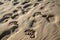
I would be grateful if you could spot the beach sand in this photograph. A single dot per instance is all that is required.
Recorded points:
(29, 19)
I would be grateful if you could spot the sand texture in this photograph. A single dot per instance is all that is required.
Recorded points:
(29, 19)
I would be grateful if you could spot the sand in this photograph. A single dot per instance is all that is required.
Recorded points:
(29, 19)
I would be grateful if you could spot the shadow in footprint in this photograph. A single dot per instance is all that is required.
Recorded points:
(5, 33)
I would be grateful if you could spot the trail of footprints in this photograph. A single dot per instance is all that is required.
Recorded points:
(11, 30)
(26, 6)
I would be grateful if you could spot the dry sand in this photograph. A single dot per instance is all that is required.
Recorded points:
(29, 19)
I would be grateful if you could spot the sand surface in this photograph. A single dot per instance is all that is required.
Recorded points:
(29, 19)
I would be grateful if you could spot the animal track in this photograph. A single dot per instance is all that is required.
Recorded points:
(13, 22)
(36, 14)
(15, 11)
(29, 16)
(7, 15)
(49, 17)
(1, 3)
(4, 19)
(15, 3)
(14, 16)
(27, 5)
(32, 22)
(30, 32)
(7, 32)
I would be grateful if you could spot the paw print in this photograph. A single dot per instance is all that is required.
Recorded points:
(30, 32)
